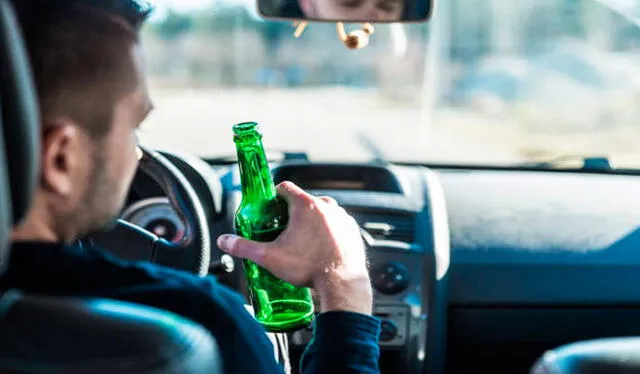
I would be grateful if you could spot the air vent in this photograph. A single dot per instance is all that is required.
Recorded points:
(382, 226)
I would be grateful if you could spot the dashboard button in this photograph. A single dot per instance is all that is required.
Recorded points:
(391, 278)
(388, 330)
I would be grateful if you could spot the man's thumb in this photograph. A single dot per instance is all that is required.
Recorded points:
(243, 248)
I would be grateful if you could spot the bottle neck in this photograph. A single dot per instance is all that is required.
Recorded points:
(255, 175)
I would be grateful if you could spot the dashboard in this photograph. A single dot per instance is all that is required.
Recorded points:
(472, 269)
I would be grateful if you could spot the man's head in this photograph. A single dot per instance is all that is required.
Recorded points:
(89, 78)
(353, 10)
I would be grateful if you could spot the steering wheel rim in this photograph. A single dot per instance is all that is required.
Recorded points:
(130, 242)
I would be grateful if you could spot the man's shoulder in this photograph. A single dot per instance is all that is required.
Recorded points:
(82, 272)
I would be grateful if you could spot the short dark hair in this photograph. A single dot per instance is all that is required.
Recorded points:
(80, 54)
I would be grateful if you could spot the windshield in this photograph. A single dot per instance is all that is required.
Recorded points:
(485, 82)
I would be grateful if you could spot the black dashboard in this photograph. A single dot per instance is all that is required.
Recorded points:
(539, 259)
(473, 270)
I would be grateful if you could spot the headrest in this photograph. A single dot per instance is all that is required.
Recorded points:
(20, 117)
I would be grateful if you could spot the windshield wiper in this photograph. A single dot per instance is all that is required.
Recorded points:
(588, 163)
(378, 155)
(272, 156)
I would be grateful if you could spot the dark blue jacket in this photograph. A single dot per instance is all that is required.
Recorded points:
(343, 342)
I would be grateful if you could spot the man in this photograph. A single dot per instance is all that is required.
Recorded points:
(353, 10)
(88, 70)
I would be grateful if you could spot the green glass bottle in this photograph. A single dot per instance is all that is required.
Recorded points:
(262, 216)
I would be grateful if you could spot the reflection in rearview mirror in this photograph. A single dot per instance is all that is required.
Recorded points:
(348, 10)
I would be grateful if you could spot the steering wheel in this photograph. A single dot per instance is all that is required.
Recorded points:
(130, 242)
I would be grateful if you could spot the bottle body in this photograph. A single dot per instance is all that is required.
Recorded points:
(262, 216)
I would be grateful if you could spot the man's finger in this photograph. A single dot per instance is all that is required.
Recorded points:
(243, 248)
(292, 193)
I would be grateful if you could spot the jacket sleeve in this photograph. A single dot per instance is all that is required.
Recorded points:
(343, 342)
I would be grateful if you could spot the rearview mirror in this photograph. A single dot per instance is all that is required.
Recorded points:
(348, 10)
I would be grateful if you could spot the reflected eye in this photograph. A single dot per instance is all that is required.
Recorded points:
(352, 3)
(389, 6)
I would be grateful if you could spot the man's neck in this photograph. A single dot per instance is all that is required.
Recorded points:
(33, 231)
(36, 226)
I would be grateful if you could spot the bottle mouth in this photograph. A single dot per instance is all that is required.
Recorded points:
(246, 131)
(244, 127)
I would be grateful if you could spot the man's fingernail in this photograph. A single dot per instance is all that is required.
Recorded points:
(226, 241)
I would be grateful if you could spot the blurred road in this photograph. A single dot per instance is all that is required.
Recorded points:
(357, 125)
(331, 125)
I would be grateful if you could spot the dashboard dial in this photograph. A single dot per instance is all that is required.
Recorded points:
(156, 215)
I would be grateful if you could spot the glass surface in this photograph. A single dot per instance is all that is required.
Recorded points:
(484, 82)
(278, 305)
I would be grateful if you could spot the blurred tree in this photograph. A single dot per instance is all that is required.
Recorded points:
(273, 32)
(173, 25)
(227, 19)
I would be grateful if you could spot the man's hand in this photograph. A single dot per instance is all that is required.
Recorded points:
(320, 248)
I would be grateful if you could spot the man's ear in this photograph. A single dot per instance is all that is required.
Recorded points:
(61, 156)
